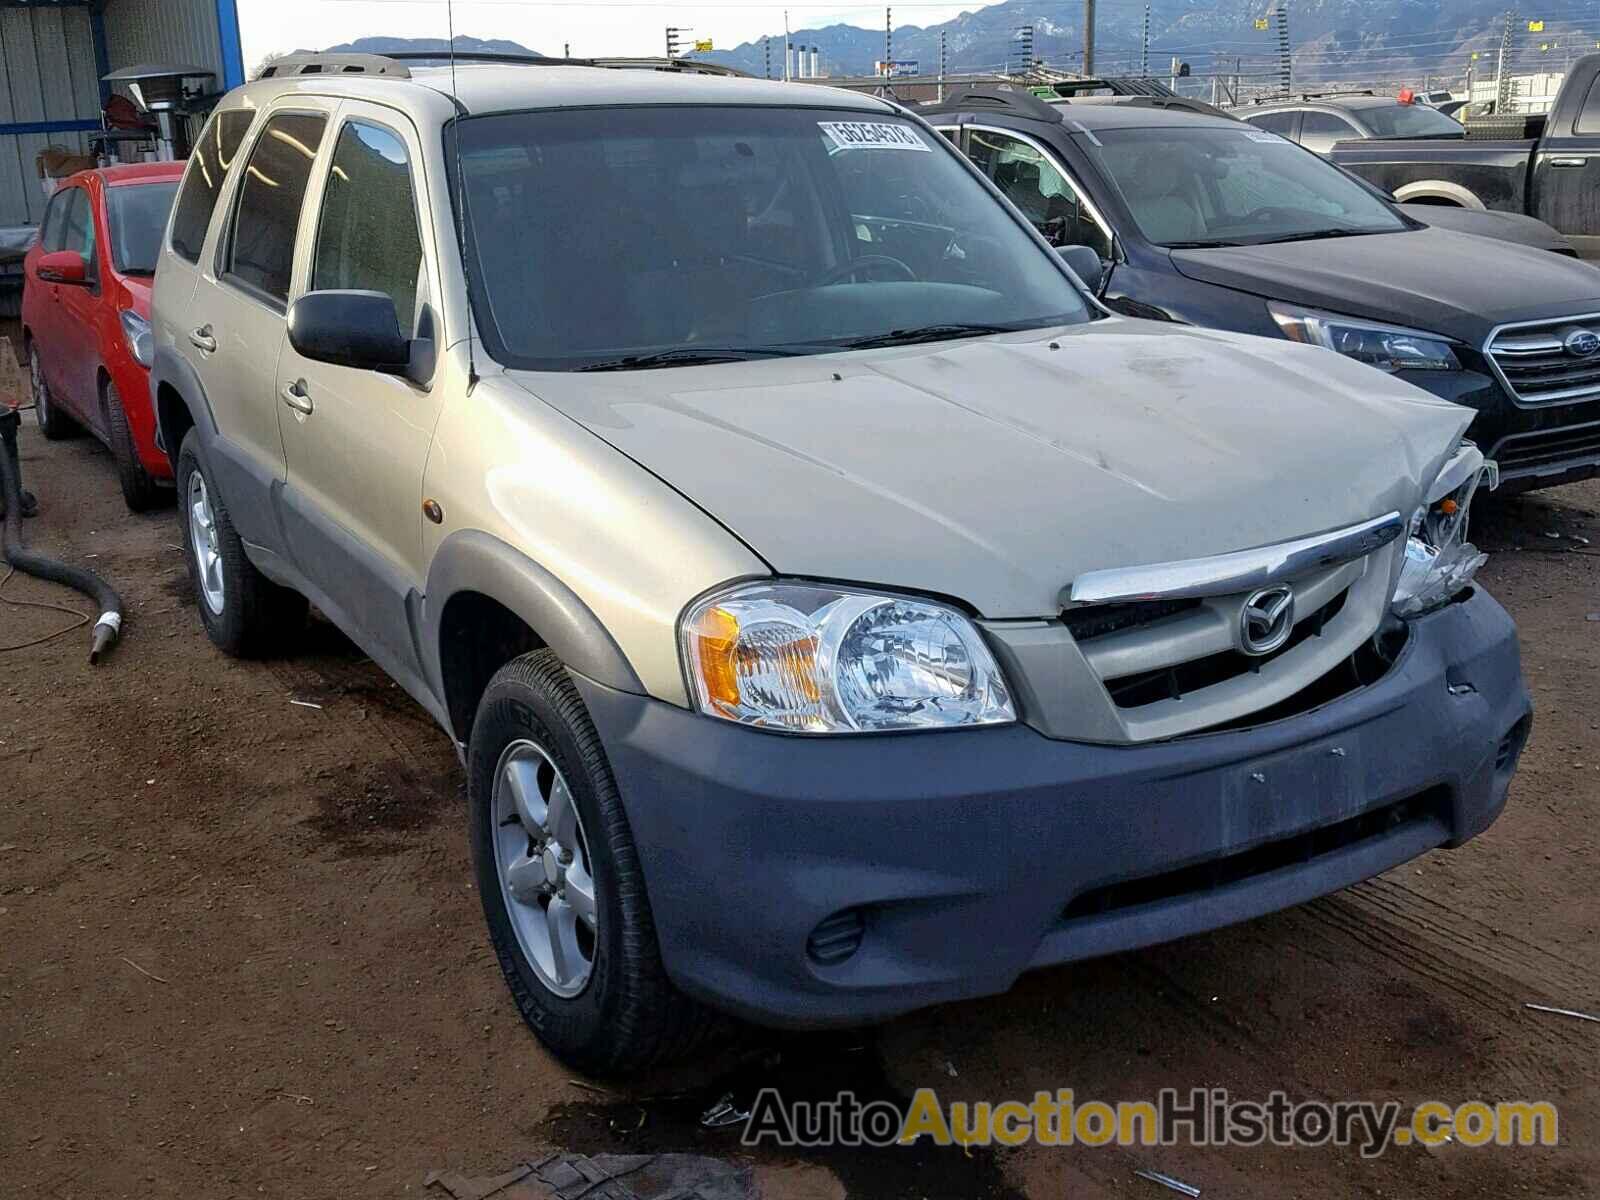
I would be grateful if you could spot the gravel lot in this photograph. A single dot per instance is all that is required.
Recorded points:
(240, 954)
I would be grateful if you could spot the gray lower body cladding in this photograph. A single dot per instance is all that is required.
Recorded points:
(823, 881)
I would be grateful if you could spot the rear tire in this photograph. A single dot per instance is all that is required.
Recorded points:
(53, 423)
(604, 1006)
(245, 614)
(139, 490)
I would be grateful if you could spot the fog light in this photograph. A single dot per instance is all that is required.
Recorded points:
(837, 937)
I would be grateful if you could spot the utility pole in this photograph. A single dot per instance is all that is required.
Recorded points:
(1088, 37)
(1023, 35)
(888, 51)
(766, 54)
(941, 66)
(1502, 81)
(1285, 66)
(1144, 47)
(674, 41)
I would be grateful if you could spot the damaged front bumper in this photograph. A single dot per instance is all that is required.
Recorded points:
(818, 881)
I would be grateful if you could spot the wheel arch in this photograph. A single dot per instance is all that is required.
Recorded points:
(1439, 191)
(180, 403)
(487, 603)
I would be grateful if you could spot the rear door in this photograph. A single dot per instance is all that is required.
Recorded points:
(41, 304)
(236, 325)
(1566, 175)
(357, 441)
(1285, 123)
(1320, 131)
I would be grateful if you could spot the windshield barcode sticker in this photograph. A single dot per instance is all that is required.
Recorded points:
(872, 135)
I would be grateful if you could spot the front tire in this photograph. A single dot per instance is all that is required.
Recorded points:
(140, 492)
(53, 423)
(560, 880)
(245, 614)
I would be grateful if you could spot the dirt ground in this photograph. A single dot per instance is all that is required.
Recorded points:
(240, 954)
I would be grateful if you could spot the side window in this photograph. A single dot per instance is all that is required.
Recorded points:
(1032, 182)
(260, 249)
(1589, 118)
(1281, 123)
(78, 229)
(209, 165)
(1321, 130)
(53, 231)
(367, 235)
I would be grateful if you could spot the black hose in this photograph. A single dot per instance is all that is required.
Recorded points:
(38, 565)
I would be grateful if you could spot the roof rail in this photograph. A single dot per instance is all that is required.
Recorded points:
(1311, 96)
(1001, 95)
(1174, 103)
(688, 66)
(1118, 85)
(335, 64)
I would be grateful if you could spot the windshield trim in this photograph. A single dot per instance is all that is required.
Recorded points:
(115, 242)
(483, 327)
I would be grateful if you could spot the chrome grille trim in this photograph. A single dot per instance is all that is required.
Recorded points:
(1530, 361)
(1239, 571)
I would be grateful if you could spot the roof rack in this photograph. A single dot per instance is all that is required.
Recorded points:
(1000, 95)
(336, 64)
(1173, 103)
(1121, 85)
(1311, 96)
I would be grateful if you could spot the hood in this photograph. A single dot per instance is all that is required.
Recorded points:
(1432, 279)
(996, 470)
(1518, 228)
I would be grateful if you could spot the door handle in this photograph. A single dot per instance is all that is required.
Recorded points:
(294, 395)
(201, 339)
(1570, 161)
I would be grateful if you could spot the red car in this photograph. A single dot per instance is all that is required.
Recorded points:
(86, 316)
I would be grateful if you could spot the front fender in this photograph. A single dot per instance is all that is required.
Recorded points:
(473, 561)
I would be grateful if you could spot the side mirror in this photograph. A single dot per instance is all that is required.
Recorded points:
(63, 266)
(1086, 264)
(349, 329)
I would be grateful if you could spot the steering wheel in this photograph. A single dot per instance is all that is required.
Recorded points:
(1267, 213)
(867, 262)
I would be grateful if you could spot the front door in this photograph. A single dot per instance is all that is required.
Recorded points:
(357, 441)
(1566, 176)
(75, 349)
(237, 321)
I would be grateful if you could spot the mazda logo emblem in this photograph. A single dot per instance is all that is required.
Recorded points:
(1267, 620)
(1581, 343)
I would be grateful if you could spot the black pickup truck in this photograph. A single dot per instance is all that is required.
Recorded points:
(1552, 172)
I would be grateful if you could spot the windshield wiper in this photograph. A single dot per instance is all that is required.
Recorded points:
(688, 357)
(1209, 244)
(925, 333)
(1311, 235)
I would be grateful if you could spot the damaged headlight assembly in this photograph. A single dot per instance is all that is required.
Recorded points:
(1388, 347)
(811, 658)
(1439, 561)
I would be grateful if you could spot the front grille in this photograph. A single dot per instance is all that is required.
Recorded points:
(1298, 850)
(1535, 366)
(1174, 682)
(1547, 450)
(1098, 620)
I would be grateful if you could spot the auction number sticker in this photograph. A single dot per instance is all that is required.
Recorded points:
(872, 135)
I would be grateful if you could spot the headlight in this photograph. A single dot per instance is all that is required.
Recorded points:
(1387, 347)
(137, 330)
(806, 658)
(1439, 561)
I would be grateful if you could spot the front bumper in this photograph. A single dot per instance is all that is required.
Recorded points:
(961, 852)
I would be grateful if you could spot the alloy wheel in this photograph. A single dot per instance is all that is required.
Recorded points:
(546, 874)
(203, 539)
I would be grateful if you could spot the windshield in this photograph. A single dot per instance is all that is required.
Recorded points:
(138, 216)
(1410, 121)
(600, 236)
(1215, 186)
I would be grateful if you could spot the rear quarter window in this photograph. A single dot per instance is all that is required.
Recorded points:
(209, 167)
(1589, 116)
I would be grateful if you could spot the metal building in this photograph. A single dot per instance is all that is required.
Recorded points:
(53, 54)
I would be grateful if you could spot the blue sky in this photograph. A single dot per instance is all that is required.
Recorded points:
(593, 27)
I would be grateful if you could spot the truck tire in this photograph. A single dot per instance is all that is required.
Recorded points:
(245, 614)
(53, 423)
(560, 881)
(140, 492)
